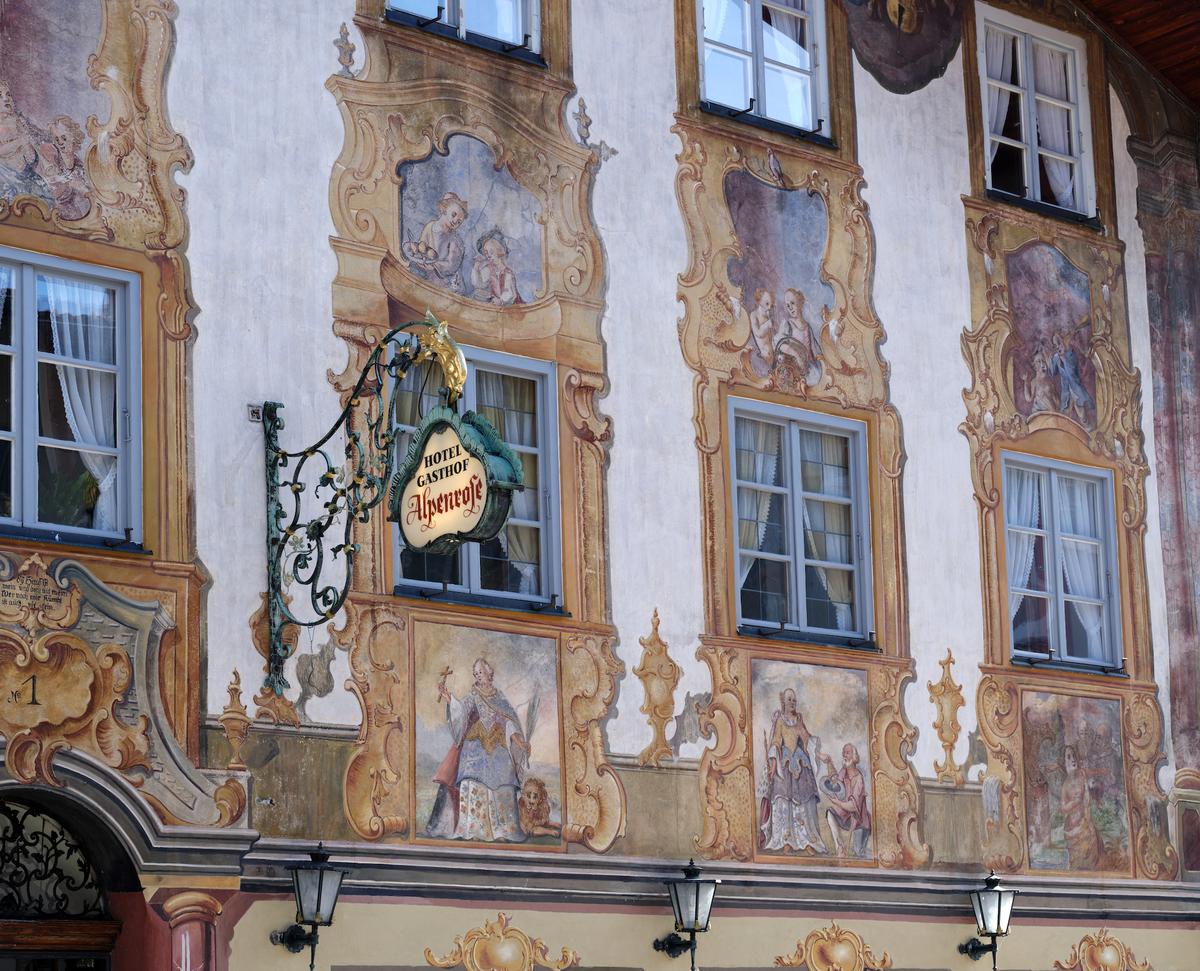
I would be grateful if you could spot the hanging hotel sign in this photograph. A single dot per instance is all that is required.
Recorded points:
(455, 484)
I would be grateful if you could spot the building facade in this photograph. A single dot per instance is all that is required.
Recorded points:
(848, 352)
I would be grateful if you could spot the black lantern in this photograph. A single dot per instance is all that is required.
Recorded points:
(317, 885)
(691, 900)
(993, 908)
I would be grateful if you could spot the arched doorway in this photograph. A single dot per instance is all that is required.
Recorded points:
(54, 908)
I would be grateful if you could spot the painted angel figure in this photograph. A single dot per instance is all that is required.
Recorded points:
(481, 776)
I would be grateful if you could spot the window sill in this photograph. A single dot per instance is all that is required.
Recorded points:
(1053, 664)
(807, 637)
(480, 41)
(767, 124)
(1046, 209)
(65, 537)
(551, 608)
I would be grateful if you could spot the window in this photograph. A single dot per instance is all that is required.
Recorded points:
(514, 394)
(69, 430)
(1035, 111)
(762, 57)
(1059, 547)
(800, 512)
(513, 22)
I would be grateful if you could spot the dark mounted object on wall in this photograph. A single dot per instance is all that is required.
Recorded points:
(691, 902)
(317, 885)
(993, 909)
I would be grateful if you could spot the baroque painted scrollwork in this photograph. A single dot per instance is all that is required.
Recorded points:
(947, 697)
(499, 946)
(1053, 378)
(834, 948)
(1101, 952)
(659, 676)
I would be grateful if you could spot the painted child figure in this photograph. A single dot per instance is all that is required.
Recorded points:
(60, 166)
(437, 255)
(491, 276)
(764, 332)
(798, 340)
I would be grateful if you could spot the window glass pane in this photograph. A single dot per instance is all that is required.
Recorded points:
(1056, 128)
(764, 590)
(1023, 497)
(76, 319)
(1052, 71)
(422, 567)
(1056, 180)
(1030, 623)
(830, 596)
(762, 521)
(77, 404)
(1082, 568)
(827, 531)
(1002, 54)
(525, 503)
(7, 278)
(759, 451)
(495, 18)
(6, 470)
(422, 8)
(789, 97)
(728, 21)
(1009, 117)
(417, 392)
(510, 562)
(77, 489)
(727, 77)
(1077, 506)
(6, 369)
(1008, 168)
(785, 39)
(1026, 554)
(510, 404)
(825, 463)
(1085, 632)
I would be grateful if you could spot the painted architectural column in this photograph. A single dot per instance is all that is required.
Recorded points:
(192, 918)
(1169, 215)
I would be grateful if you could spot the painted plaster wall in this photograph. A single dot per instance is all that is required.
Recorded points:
(265, 133)
(1139, 333)
(913, 150)
(653, 487)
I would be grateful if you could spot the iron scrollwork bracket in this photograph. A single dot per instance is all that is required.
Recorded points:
(307, 539)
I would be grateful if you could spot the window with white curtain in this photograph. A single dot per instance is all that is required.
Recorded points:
(516, 395)
(513, 22)
(765, 58)
(1059, 548)
(801, 521)
(1037, 128)
(69, 383)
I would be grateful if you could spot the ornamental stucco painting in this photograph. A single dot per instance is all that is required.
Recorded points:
(811, 764)
(487, 736)
(1076, 812)
(46, 99)
(468, 227)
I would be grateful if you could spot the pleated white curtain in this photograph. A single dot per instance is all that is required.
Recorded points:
(998, 48)
(1052, 69)
(1022, 507)
(759, 448)
(83, 326)
(1075, 508)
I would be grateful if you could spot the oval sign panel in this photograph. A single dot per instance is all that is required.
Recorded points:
(456, 483)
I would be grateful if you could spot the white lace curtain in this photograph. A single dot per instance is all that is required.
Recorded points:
(1052, 75)
(1076, 510)
(83, 326)
(510, 403)
(998, 48)
(759, 448)
(837, 584)
(1022, 507)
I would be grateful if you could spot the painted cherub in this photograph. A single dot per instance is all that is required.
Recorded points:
(59, 164)
(798, 340)
(764, 332)
(491, 276)
(437, 255)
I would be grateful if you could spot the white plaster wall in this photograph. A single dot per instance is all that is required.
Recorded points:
(913, 150)
(247, 92)
(653, 481)
(1139, 332)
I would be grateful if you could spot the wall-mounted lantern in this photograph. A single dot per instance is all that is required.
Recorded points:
(317, 885)
(993, 908)
(691, 900)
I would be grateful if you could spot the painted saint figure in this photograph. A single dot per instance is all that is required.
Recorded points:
(1073, 397)
(18, 149)
(437, 255)
(1084, 848)
(481, 776)
(491, 276)
(1039, 386)
(848, 815)
(788, 819)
